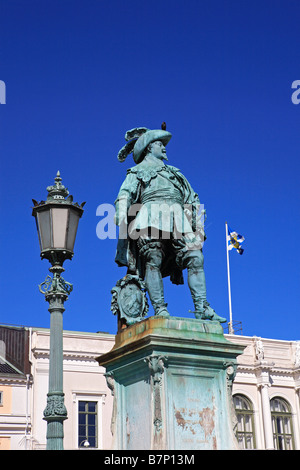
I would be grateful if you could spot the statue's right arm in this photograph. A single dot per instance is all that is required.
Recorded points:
(126, 197)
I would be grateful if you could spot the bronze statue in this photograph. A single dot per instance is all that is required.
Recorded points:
(161, 231)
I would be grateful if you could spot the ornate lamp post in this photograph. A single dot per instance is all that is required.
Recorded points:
(57, 221)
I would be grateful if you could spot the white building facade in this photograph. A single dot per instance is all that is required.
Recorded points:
(265, 392)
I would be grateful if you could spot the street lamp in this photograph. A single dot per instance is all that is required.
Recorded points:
(57, 221)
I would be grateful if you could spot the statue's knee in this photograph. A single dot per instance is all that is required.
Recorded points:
(195, 261)
(153, 254)
(154, 258)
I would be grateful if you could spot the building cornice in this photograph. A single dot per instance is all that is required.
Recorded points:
(14, 379)
(43, 353)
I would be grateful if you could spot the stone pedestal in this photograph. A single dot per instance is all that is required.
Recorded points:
(171, 379)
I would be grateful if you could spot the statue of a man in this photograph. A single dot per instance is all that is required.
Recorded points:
(161, 232)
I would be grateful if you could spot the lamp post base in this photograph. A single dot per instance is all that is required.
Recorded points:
(55, 413)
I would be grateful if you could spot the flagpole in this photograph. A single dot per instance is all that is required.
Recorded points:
(230, 329)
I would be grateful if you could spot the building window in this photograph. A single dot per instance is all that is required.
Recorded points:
(282, 424)
(87, 424)
(1, 398)
(245, 422)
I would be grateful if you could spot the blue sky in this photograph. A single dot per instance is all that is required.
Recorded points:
(79, 74)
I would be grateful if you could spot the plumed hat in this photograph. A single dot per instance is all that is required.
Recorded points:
(138, 140)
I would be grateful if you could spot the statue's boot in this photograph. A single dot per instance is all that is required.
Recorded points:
(161, 311)
(197, 285)
(155, 287)
(204, 311)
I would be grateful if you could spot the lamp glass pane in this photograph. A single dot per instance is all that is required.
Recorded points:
(44, 230)
(59, 226)
(72, 229)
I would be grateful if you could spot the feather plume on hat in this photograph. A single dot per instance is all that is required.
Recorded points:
(131, 137)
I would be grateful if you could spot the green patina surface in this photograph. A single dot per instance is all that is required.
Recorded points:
(171, 379)
(161, 230)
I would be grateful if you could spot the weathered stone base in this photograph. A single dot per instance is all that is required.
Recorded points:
(171, 379)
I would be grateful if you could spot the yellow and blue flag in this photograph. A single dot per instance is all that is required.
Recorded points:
(235, 240)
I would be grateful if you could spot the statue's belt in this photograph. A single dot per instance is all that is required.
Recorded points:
(161, 197)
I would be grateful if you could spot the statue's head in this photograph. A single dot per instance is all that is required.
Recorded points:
(153, 142)
(156, 149)
(139, 140)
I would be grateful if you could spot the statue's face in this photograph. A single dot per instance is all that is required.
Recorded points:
(158, 150)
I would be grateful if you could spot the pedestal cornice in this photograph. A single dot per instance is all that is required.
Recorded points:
(199, 337)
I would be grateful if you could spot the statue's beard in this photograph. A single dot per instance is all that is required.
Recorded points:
(162, 157)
